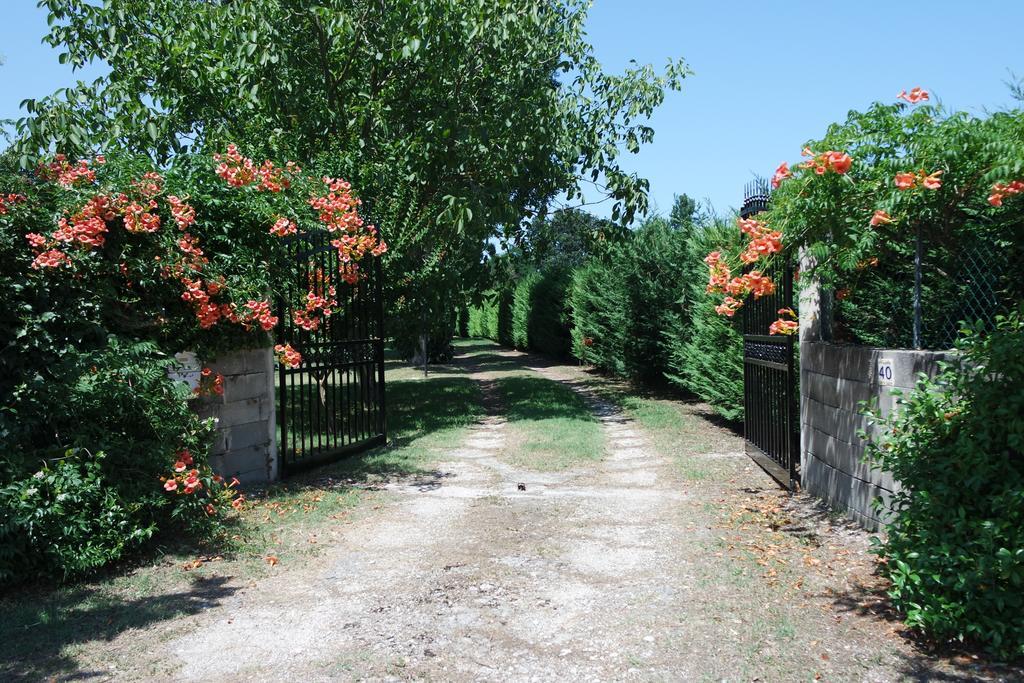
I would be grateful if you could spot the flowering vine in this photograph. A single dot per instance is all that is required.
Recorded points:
(1002, 190)
(914, 96)
(212, 297)
(138, 227)
(762, 243)
(908, 181)
(184, 479)
(864, 192)
(288, 356)
(8, 200)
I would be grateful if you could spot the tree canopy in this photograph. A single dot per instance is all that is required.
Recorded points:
(453, 119)
(484, 107)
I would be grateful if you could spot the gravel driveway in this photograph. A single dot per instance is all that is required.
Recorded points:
(624, 569)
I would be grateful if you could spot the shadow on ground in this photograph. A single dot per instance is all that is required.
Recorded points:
(929, 660)
(416, 409)
(34, 634)
(537, 398)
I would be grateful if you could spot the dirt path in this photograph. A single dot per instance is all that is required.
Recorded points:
(614, 571)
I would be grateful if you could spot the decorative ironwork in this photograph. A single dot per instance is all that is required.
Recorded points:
(332, 404)
(757, 195)
(772, 352)
(770, 408)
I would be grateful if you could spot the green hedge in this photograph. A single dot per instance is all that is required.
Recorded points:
(522, 307)
(637, 310)
(654, 263)
(530, 314)
(705, 349)
(599, 301)
(492, 319)
(539, 315)
(646, 314)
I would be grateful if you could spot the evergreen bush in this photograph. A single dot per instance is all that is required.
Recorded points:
(653, 259)
(522, 309)
(599, 301)
(539, 315)
(705, 350)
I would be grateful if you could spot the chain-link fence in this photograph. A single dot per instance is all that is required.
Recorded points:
(920, 294)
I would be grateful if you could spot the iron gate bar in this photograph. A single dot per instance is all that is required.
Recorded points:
(769, 375)
(333, 403)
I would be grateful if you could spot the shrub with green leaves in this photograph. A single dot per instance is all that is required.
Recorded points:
(954, 550)
(599, 301)
(108, 267)
(492, 319)
(80, 485)
(706, 349)
(656, 260)
(539, 316)
(522, 306)
(632, 294)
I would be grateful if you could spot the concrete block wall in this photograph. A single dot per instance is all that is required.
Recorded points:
(833, 380)
(245, 444)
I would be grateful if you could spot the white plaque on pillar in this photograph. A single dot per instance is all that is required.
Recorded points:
(186, 368)
(884, 373)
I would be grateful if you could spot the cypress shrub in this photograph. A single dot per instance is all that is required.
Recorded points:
(625, 302)
(705, 350)
(548, 329)
(492, 319)
(599, 300)
(654, 261)
(503, 316)
(482, 320)
(539, 311)
(522, 306)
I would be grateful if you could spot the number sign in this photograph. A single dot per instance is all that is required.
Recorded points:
(186, 368)
(885, 373)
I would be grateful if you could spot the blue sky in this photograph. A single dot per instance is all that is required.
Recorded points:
(769, 75)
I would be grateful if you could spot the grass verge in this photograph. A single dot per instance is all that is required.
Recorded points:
(550, 427)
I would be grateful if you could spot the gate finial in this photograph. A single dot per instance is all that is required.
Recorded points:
(757, 195)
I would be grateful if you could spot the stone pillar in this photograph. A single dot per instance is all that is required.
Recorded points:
(815, 314)
(245, 442)
(810, 332)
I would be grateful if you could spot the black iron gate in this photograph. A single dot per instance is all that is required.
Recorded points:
(332, 403)
(770, 401)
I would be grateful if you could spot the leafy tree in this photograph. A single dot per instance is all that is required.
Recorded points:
(684, 212)
(566, 237)
(453, 117)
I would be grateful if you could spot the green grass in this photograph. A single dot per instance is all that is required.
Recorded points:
(551, 428)
(657, 415)
(675, 429)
